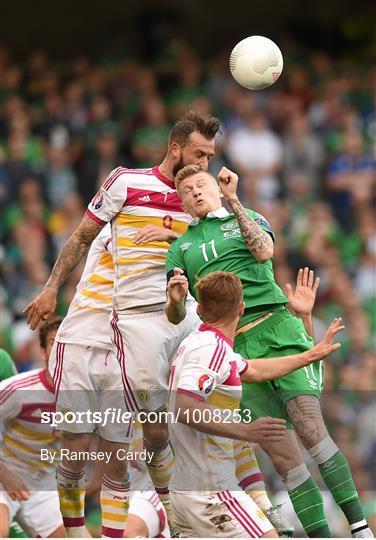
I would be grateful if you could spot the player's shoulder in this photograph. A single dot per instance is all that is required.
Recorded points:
(200, 340)
(259, 218)
(22, 380)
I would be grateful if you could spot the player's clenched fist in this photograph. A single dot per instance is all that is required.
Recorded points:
(42, 306)
(266, 429)
(177, 288)
(228, 182)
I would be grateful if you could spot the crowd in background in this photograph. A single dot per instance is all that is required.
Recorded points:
(303, 151)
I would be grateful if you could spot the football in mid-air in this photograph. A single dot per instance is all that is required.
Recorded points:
(256, 62)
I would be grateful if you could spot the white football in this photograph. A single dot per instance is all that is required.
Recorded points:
(256, 62)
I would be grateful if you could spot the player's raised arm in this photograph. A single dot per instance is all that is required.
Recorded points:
(258, 241)
(75, 248)
(302, 299)
(266, 369)
(177, 290)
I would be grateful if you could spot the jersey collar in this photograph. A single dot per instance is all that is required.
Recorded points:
(207, 327)
(163, 178)
(219, 213)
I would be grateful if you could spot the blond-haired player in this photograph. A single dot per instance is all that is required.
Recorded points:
(205, 393)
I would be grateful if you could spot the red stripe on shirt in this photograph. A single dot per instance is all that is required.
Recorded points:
(95, 218)
(159, 201)
(8, 391)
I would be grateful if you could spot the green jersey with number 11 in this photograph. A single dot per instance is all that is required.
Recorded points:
(216, 243)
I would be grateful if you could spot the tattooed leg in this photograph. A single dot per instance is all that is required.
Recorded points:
(305, 414)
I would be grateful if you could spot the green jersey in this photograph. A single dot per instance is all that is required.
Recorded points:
(216, 243)
(7, 367)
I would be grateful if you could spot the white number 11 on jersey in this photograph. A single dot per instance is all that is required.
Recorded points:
(214, 251)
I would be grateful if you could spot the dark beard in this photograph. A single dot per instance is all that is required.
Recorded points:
(179, 165)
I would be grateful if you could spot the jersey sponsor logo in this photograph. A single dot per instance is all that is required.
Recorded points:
(229, 225)
(185, 246)
(206, 383)
(97, 201)
(235, 233)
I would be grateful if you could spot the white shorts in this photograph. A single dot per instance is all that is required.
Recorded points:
(38, 516)
(226, 514)
(87, 379)
(147, 506)
(144, 344)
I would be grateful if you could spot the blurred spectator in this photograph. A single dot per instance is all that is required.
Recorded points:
(302, 155)
(351, 177)
(256, 153)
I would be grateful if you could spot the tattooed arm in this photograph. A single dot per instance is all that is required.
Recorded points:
(73, 251)
(258, 241)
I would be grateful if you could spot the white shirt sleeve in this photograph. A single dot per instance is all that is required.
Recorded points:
(196, 377)
(110, 199)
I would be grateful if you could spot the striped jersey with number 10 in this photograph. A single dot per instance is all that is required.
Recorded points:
(132, 199)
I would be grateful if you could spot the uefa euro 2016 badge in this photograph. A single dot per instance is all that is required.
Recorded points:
(229, 225)
(97, 201)
(206, 383)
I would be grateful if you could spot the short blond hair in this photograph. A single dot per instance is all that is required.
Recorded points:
(219, 295)
(186, 172)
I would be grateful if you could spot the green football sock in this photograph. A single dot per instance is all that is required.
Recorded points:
(337, 476)
(309, 507)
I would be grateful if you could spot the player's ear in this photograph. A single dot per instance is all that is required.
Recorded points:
(241, 309)
(198, 311)
(175, 150)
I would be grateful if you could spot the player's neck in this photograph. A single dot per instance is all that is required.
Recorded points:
(166, 168)
(226, 328)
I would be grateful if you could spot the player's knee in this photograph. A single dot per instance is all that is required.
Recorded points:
(76, 440)
(155, 435)
(324, 450)
(284, 457)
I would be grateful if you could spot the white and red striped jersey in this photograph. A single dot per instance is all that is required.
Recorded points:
(88, 319)
(132, 199)
(23, 399)
(207, 369)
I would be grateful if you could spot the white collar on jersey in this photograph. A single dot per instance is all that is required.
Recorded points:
(219, 213)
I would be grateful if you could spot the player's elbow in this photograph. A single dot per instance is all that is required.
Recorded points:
(265, 255)
(253, 375)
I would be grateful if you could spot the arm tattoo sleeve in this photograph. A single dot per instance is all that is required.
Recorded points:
(73, 251)
(257, 240)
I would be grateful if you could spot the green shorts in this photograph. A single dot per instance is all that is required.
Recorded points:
(281, 334)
